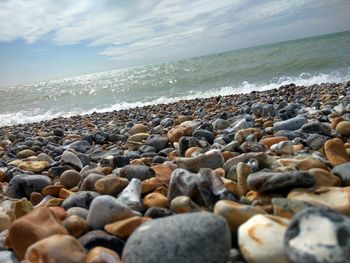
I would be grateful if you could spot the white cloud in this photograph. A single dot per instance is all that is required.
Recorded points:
(140, 28)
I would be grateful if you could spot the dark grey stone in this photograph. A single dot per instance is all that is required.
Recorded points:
(81, 199)
(141, 172)
(290, 124)
(343, 172)
(96, 238)
(22, 185)
(266, 181)
(194, 237)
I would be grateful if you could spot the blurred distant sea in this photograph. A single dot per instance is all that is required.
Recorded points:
(306, 61)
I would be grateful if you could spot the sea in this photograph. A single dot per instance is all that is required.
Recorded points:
(308, 61)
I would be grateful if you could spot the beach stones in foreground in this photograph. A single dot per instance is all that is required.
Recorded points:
(318, 235)
(261, 239)
(195, 237)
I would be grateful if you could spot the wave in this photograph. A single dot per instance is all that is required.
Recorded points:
(304, 79)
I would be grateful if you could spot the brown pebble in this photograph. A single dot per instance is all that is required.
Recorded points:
(102, 255)
(335, 152)
(155, 200)
(124, 228)
(343, 128)
(35, 198)
(29, 229)
(76, 225)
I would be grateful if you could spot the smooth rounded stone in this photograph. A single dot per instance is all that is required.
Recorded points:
(29, 229)
(158, 142)
(75, 225)
(14, 208)
(291, 135)
(286, 207)
(106, 209)
(34, 166)
(124, 228)
(70, 158)
(253, 147)
(157, 212)
(89, 182)
(138, 128)
(266, 181)
(131, 195)
(111, 185)
(99, 238)
(176, 133)
(285, 147)
(304, 242)
(184, 204)
(56, 248)
(212, 159)
(243, 123)
(231, 147)
(70, 178)
(80, 146)
(324, 178)
(343, 172)
(102, 255)
(337, 198)
(81, 199)
(7, 256)
(245, 157)
(23, 185)
(235, 213)
(5, 221)
(263, 110)
(315, 141)
(221, 124)
(260, 239)
(138, 137)
(243, 171)
(204, 135)
(290, 124)
(194, 237)
(78, 211)
(269, 141)
(25, 153)
(141, 172)
(241, 135)
(155, 200)
(336, 152)
(343, 128)
(316, 127)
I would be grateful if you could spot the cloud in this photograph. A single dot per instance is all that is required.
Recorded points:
(141, 28)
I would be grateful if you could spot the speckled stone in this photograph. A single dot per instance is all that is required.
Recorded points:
(194, 237)
(318, 235)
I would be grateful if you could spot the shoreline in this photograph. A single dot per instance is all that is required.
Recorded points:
(234, 178)
(153, 107)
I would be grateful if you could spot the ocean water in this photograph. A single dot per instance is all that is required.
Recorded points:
(307, 61)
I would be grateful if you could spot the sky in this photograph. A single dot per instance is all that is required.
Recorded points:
(49, 39)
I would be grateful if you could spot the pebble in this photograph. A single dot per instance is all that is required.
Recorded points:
(155, 200)
(235, 213)
(111, 185)
(55, 249)
(81, 199)
(99, 238)
(291, 124)
(124, 228)
(275, 181)
(343, 128)
(343, 172)
(304, 242)
(211, 159)
(25, 153)
(34, 166)
(284, 147)
(131, 195)
(23, 185)
(194, 237)
(335, 152)
(183, 204)
(14, 208)
(106, 209)
(76, 225)
(70, 178)
(28, 229)
(337, 198)
(5, 221)
(261, 237)
(102, 255)
(141, 172)
(70, 158)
